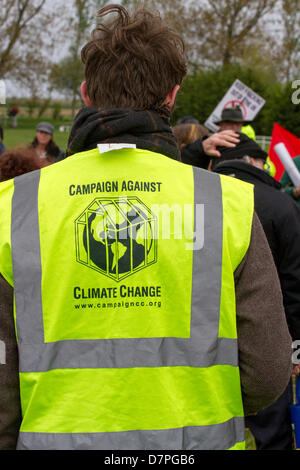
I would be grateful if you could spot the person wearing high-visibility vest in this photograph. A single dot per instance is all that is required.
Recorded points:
(134, 308)
(194, 151)
(249, 131)
(280, 218)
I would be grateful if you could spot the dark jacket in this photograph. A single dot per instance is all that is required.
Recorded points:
(2, 148)
(287, 184)
(193, 154)
(53, 152)
(280, 218)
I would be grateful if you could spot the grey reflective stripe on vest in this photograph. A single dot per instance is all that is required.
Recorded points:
(202, 349)
(215, 437)
(26, 258)
(124, 353)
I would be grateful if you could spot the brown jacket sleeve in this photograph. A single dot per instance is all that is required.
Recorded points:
(265, 345)
(10, 412)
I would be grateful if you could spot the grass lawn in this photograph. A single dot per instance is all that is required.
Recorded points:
(26, 131)
(23, 137)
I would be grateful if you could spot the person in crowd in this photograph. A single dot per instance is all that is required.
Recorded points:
(139, 371)
(187, 133)
(249, 131)
(288, 186)
(190, 137)
(16, 162)
(198, 152)
(188, 119)
(280, 218)
(231, 119)
(44, 145)
(2, 146)
(13, 114)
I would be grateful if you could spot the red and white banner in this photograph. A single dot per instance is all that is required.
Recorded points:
(292, 143)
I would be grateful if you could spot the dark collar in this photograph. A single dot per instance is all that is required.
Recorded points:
(148, 130)
(246, 170)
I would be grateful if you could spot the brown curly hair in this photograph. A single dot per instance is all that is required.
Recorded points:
(16, 162)
(132, 61)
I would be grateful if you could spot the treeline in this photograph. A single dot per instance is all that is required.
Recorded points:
(256, 41)
(199, 95)
(202, 90)
(35, 109)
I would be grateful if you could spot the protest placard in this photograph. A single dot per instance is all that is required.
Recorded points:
(238, 95)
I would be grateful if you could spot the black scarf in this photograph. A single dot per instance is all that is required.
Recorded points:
(149, 130)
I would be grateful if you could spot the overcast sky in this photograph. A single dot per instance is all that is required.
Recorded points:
(62, 48)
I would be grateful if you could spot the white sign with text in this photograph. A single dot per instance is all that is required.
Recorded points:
(238, 95)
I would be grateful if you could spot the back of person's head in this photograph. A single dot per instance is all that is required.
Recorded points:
(188, 120)
(133, 60)
(246, 148)
(188, 133)
(16, 162)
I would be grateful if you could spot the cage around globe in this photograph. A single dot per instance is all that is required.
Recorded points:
(116, 236)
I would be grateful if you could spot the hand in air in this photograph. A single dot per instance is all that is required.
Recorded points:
(220, 139)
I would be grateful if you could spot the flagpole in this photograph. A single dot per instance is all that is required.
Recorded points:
(288, 163)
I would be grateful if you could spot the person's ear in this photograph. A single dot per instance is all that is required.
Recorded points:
(171, 97)
(84, 94)
(257, 162)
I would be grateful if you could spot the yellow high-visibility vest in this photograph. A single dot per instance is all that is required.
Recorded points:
(123, 267)
(249, 131)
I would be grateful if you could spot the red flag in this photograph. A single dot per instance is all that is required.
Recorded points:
(291, 142)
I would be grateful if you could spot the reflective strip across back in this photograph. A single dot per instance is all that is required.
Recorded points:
(215, 437)
(26, 258)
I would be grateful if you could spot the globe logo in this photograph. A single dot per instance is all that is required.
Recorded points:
(116, 237)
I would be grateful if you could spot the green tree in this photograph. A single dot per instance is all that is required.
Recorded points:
(16, 16)
(29, 30)
(203, 90)
(281, 109)
(67, 75)
(287, 51)
(223, 28)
